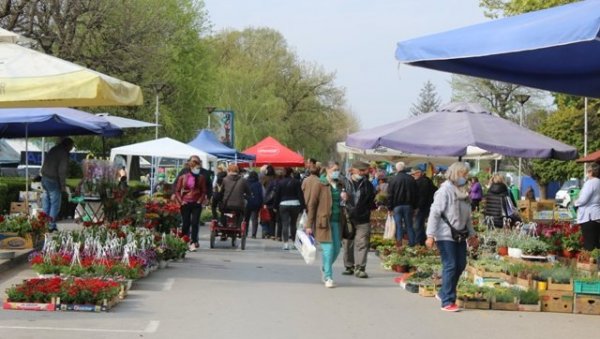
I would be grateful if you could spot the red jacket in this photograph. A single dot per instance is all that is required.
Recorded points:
(196, 194)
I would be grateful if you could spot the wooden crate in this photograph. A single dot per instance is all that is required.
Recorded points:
(504, 306)
(18, 207)
(531, 308)
(557, 301)
(473, 304)
(552, 286)
(587, 304)
(427, 291)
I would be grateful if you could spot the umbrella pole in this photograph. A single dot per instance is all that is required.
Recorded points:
(585, 132)
(27, 167)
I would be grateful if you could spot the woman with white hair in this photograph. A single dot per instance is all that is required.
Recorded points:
(450, 227)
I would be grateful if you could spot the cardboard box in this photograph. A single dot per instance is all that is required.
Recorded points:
(587, 304)
(18, 207)
(557, 301)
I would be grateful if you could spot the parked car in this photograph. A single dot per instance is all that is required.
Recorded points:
(563, 196)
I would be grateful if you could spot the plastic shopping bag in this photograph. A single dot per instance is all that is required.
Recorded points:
(390, 228)
(301, 224)
(305, 244)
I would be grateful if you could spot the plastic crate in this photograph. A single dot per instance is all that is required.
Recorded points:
(582, 287)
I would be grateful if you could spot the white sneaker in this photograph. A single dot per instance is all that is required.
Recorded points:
(286, 246)
(192, 248)
(329, 283)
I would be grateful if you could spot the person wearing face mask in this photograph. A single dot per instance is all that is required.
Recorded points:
(451, 208)
(325, 218)
(403, 194)
(358, 198)
(190, 191)
(495, 201)
(588, 208)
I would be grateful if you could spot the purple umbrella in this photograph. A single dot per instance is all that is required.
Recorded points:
(455, 127)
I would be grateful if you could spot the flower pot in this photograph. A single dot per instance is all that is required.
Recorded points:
(503, 250)
(542, 285)
(515, 252)
(568, 254)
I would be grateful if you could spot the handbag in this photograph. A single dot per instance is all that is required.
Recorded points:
(458, 236)
(389, 231)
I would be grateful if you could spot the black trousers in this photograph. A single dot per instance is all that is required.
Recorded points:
(591, 235)
(251, 215)
(190, 215)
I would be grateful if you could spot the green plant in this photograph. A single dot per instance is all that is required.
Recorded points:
(559, 274)
(503, 294)
(534, 246)
(528, 297)
(572, 241)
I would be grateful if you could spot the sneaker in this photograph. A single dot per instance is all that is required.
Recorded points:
(197, 245)
(192, 248)
(451, 308)
(361, 274)
(348, 271)
(329, 283)
(437, 297)
(286, 246)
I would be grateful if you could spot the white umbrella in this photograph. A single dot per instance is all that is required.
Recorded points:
(29, 78)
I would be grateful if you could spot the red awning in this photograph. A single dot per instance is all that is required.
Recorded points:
(271, 152)
(592, 157)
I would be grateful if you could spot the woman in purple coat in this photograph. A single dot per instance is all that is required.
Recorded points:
(475, 194)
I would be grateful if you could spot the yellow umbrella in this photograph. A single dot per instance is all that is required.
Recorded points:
(29, 78)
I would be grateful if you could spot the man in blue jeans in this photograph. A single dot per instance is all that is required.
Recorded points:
(402, 201)
(54, 175)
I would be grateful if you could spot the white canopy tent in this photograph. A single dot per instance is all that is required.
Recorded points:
(161, 148)
(384, 153)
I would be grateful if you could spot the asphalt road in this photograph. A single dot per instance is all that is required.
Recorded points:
(264, 292)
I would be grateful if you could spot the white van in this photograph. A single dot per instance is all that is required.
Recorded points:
(562, 197)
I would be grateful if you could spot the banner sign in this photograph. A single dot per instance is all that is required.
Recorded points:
(223, 127)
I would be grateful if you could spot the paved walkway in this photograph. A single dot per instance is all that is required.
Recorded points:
(265, 293)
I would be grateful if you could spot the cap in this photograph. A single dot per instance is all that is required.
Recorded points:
(415, 170)
(360, 165)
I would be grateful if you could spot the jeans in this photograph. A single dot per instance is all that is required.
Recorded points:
(51, 200)
(289, 217)
(190, 216)
(422, 215)
(454, 261)
(356, 250)
(404, 213)
(251, 215)
(331, 250)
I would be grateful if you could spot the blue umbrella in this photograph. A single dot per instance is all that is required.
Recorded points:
(44, 122)
(207, 141)
(556, 49)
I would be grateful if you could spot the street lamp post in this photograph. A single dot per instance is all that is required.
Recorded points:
(158, 87)
(209, 109)
(522, 99)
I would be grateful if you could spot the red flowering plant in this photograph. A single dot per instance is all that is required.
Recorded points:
(162, 215)
(70, 291)
(49, 264)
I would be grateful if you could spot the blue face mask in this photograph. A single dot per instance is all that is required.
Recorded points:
(335, 175)
(357, 177)
(461, 181)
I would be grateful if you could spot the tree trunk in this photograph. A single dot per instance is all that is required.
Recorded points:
(543, 191)
(134, 169)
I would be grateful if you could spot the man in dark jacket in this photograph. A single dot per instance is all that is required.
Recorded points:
(235, 193)
(358, 197)
(402, 202)
(255, 202)
(426, 189)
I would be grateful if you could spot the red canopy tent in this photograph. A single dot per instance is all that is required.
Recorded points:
(271, 152)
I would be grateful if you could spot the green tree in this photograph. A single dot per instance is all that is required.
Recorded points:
(499, 8)
(141, 41)
(274, 93)
(428, 101)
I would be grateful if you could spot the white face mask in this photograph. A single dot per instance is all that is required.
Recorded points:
(196, 170)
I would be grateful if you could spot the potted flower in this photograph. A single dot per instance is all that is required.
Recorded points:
(571, 243)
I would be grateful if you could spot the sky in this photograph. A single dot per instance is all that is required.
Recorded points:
(357, 39)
